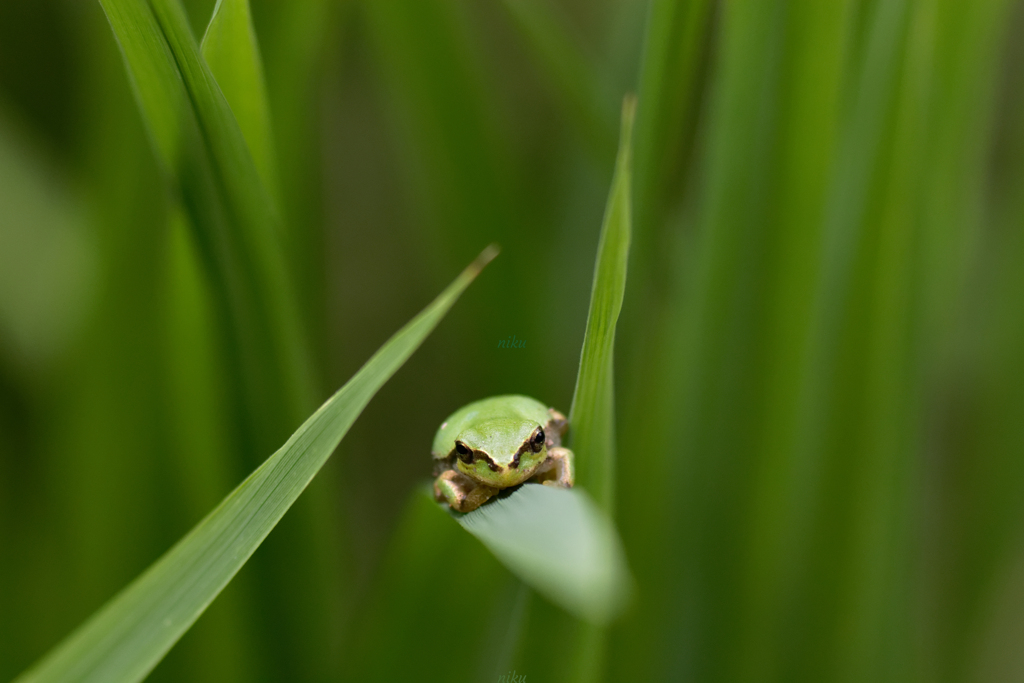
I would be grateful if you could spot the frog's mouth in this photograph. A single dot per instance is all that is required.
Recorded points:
(485, 471)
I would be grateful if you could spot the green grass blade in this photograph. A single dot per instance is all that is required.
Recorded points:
(200, 144)
(558, 542)
(127, 637)
(592, 417)
(233, 55)
(238, 235)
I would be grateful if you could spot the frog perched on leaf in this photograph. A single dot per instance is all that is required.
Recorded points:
(496, 443)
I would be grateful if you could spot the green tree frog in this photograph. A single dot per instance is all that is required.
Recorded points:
(496, 443)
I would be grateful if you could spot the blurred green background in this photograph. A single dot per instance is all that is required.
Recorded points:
(820, 359)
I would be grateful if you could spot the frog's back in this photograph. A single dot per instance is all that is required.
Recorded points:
(494, 407)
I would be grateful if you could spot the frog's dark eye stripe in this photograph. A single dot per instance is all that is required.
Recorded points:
(537, 440)
(465, 452)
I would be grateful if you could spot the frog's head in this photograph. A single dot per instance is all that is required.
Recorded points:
(501, 451)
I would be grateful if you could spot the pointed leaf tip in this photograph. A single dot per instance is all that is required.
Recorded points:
(628, 110)
(485, 257)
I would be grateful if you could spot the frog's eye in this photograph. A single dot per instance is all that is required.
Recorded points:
(537, 440)
(465, 452)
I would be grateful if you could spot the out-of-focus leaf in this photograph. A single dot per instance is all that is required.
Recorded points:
(420, 585)
(238, 237)
(201, 145)
(298, 41)
(558, 542)
(675, 39)
(444, 111)
(233, 55)
(572, 75)
(46, 260)
(127, 637)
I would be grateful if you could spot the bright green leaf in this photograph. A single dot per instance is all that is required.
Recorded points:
(558, 542)
(128, 636)
(233, 55)
(592, 417)
(199, 142)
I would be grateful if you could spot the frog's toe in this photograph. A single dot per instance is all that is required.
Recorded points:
(461, 492)
(558, 469)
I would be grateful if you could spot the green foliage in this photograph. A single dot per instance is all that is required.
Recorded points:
(592, 417)
(571, 73)
(814, 463)
(558, 542)
(45, 267)
(233, 55)
(200, 142)
(126, 639)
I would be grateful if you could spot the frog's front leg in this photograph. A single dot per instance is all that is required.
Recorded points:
(461, 492)
(559, 469)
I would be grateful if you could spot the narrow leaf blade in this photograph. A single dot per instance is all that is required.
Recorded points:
(592, 417)
(233, 55)
(132, 633)
(200, 144)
